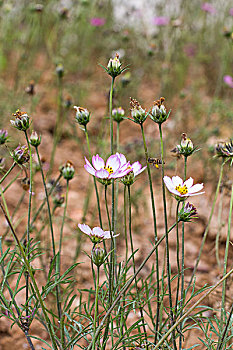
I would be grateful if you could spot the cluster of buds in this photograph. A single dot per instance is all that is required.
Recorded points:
(118, 114)
(82, 116)
(21, 155)
(138, 114)
(158, 112)
(3, 136)
(22, 120)
(60, 70)
(67, 171)
(98, 256)
(35, 139)
(187, 213)
(225, 150)
(185, 148)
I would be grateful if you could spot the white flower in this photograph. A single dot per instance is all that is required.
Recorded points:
(182, 189)
(96, 234)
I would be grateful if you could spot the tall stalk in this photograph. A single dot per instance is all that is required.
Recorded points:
(96, 306)
(8, 172)
(167, 241)
(155, 233)
(134, 267)
(208, 225)
(226, 259)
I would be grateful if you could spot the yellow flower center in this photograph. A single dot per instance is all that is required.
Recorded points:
(109, 169)
(182, 189)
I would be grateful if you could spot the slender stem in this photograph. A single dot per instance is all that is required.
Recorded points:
(208, 225)
(134, 267)
(127, 285)
(167, 241)
(125, 225)
(226, 259)
(51, 226)
(11, 182)
(96, 308)
(155, 233)
(219, 229)
(30, 271)
(182, 297)
(110, 113)
(177, 257)
(94, 179)
(106, 205)
(58, 122)
(221, 339)
(187, 313)
(8, 172)
(29, 216)
(29, 340)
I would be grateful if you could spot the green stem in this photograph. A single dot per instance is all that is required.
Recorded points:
(51, 226)
(226, 259)
(8, 172)
(182, 297)
(155, 232)
(177, 257)
(125, 225)
(11, 182)
(29, 216)
(94, 179)
(192, 308)
(110, 114)
(221, 339)
(219, 229)
(126, 286)
(167, 242)
(30, 271)
(96, 308)
(208, 225)
(134, 267)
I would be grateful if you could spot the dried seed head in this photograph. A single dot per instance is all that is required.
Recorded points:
(138, 114)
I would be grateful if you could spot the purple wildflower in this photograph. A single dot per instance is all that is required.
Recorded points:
(161, 21)
(97, 21)
(208, 7)
(228, 80)
(231, 11)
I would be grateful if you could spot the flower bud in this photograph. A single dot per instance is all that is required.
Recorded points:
(58, 199)
(21, 155)
(114, 66)
(159, 113)
(68, 171)
(118, 114)
(187, 213)
(60, 70)
(225, 149)
(137, 112)
(98, 256)
(3, 136)
(35, 139)
(82, 115)
(22, 120)
(128, 179)
(185, 148)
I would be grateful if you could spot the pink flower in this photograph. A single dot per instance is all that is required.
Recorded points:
(208, 7)
(96, 234)
(116, 166)
(190, 50)
(228, 80)
(181, 189)
(97, 21)
(231, 11)
(161, 21)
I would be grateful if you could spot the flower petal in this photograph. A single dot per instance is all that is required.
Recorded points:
(98, 162)
(195, 188)
(89, 167)
(107, 235)
(122, 159)
(113, 162)
(195, 194)
(168, 182)
(177, 181)
(85, 228)
(102, 174)
(97, 231)
(189, 182)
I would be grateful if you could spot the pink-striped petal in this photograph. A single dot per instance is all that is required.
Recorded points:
(98, 162)
(102, 174)
(97, 231)
(89, 167)
(122, 159)
(113, 162)
(168, 182)
(85, 228)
